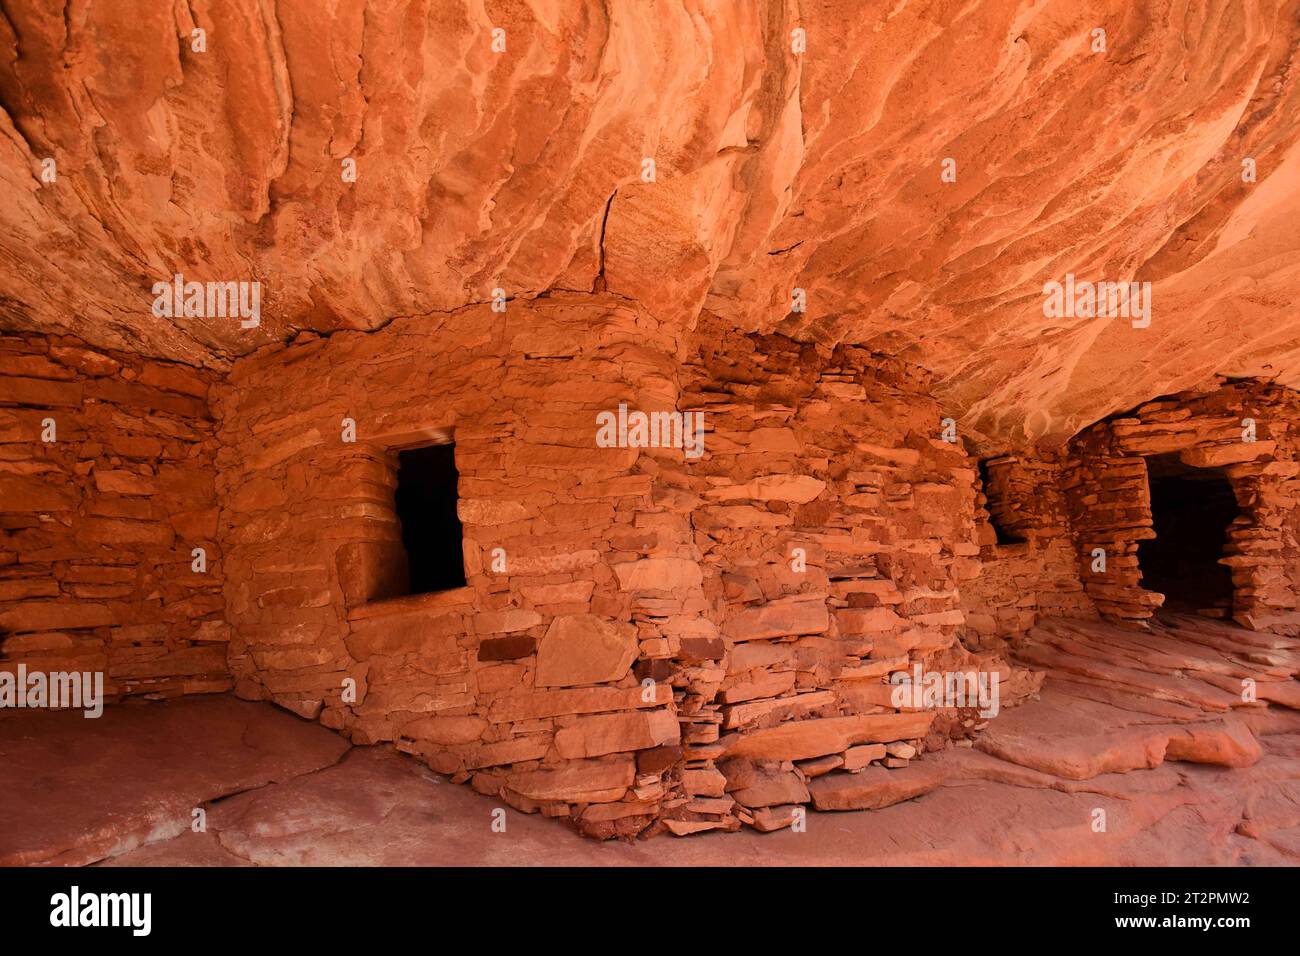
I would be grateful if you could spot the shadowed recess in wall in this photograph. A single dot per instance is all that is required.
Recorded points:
(426, 507)
(1191, 510)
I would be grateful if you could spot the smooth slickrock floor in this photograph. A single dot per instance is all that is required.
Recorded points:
(75, 790)
(380, 808)
(280, 791)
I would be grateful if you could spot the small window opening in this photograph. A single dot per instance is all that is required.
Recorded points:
(426, 507)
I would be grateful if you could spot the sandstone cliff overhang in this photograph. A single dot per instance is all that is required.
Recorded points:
(919, 180)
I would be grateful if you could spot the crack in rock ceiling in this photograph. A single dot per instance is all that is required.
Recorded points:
(773, 171)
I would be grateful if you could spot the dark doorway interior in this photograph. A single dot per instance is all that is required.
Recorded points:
(426, 507)
(998, 508)
(1191, 509)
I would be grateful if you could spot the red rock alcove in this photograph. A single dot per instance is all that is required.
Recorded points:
(370, 536)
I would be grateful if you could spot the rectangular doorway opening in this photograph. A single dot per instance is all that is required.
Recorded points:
(1001, 510)
(1191, 512)
(426, 507)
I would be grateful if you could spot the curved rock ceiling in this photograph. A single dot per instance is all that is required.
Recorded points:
(775, 170)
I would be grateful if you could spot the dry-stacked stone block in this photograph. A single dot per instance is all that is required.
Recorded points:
(651, 636)
(647, 639)
(1241, 427)
(106, 489)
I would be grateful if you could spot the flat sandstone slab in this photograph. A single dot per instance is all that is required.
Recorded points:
(75, 790)
(805, 739)
(873, 788)
(377, 807)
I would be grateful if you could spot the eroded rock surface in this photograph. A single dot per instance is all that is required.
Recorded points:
(820, 240)
(375, 807)
(774, 170)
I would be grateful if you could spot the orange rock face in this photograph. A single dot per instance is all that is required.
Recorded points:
(919, 174)
(716, 307)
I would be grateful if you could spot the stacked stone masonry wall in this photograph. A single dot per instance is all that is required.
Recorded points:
(646, 639)
(106, 488)
(1035, 576)
(1108, 491)
(647, 654)
(834, 528)
(522, 682)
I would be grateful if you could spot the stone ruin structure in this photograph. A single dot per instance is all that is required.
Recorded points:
(1208, 478)
(638, 639)
(850, 447)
